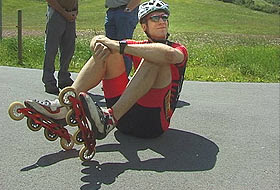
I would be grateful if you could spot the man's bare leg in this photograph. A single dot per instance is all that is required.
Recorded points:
(89, 77)
(147, 76)
(93, 72)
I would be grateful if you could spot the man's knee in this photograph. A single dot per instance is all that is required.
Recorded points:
(114, 65)
(161, 75)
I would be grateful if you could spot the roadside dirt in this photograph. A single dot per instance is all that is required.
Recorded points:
(14, 33)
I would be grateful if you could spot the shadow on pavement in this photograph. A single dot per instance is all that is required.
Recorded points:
(51, 159)
(54, 158)
(182, 103)
(179, 151)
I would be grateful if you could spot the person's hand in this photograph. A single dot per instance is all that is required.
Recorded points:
(71, 16)
(113, 45)
(100, 52)
(93, 42)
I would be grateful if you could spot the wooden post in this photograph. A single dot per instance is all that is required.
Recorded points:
(19, 26)
(0, 19)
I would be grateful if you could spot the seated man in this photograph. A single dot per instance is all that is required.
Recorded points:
(143, 106)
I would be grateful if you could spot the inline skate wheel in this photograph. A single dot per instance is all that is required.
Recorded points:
(13, 111)
(65, 144)
(78, 137)
(49, 135)
(32, 125)
(65, 94)
(83, 154)
(70, 118)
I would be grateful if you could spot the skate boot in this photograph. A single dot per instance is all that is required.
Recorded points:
(101, 120)
(49, 108)
(76, 117)
(36, 120)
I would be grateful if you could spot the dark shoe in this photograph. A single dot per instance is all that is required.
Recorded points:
(52, 89)
(65, 84)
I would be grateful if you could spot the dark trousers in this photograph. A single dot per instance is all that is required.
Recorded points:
(60, 34)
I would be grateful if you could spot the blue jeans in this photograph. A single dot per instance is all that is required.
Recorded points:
(120, 25)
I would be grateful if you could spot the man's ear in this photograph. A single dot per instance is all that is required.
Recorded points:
(144, 26)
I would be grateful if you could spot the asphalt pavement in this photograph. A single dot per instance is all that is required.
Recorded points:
(223, 136)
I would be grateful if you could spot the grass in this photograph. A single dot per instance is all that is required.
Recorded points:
(226, 42)
(210, 16)
(239, 58)
(203, 16)
(235, 63)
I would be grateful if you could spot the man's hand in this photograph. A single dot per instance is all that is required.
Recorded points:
(113, 45)
(100, 52)
(132, 5)
(71, 16)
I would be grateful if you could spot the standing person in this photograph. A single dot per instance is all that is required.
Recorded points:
(120, 22)
(60, 34)
(143, 106)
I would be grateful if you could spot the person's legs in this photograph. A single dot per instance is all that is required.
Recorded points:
(110, 25)
(125, 25)
(90, 76)
(67, 48)
(92, 72)
(51, 48)
(120, 25)
(147, 76)
(54, 30)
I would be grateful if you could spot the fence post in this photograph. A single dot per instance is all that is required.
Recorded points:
(19, 26)
(0, 19)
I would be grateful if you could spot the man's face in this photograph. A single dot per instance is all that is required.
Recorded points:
(156, 25)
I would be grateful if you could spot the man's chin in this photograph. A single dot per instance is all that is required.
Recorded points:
(160, 39)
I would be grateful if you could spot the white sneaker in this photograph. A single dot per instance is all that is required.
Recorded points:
(51, 109)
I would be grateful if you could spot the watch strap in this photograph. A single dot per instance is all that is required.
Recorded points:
(123, 44)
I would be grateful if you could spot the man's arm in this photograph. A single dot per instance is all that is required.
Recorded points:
(156, 53)
(55, 5)
(133, 4)
(153, 52)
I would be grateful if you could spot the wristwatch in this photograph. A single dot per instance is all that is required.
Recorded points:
(123, 44)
